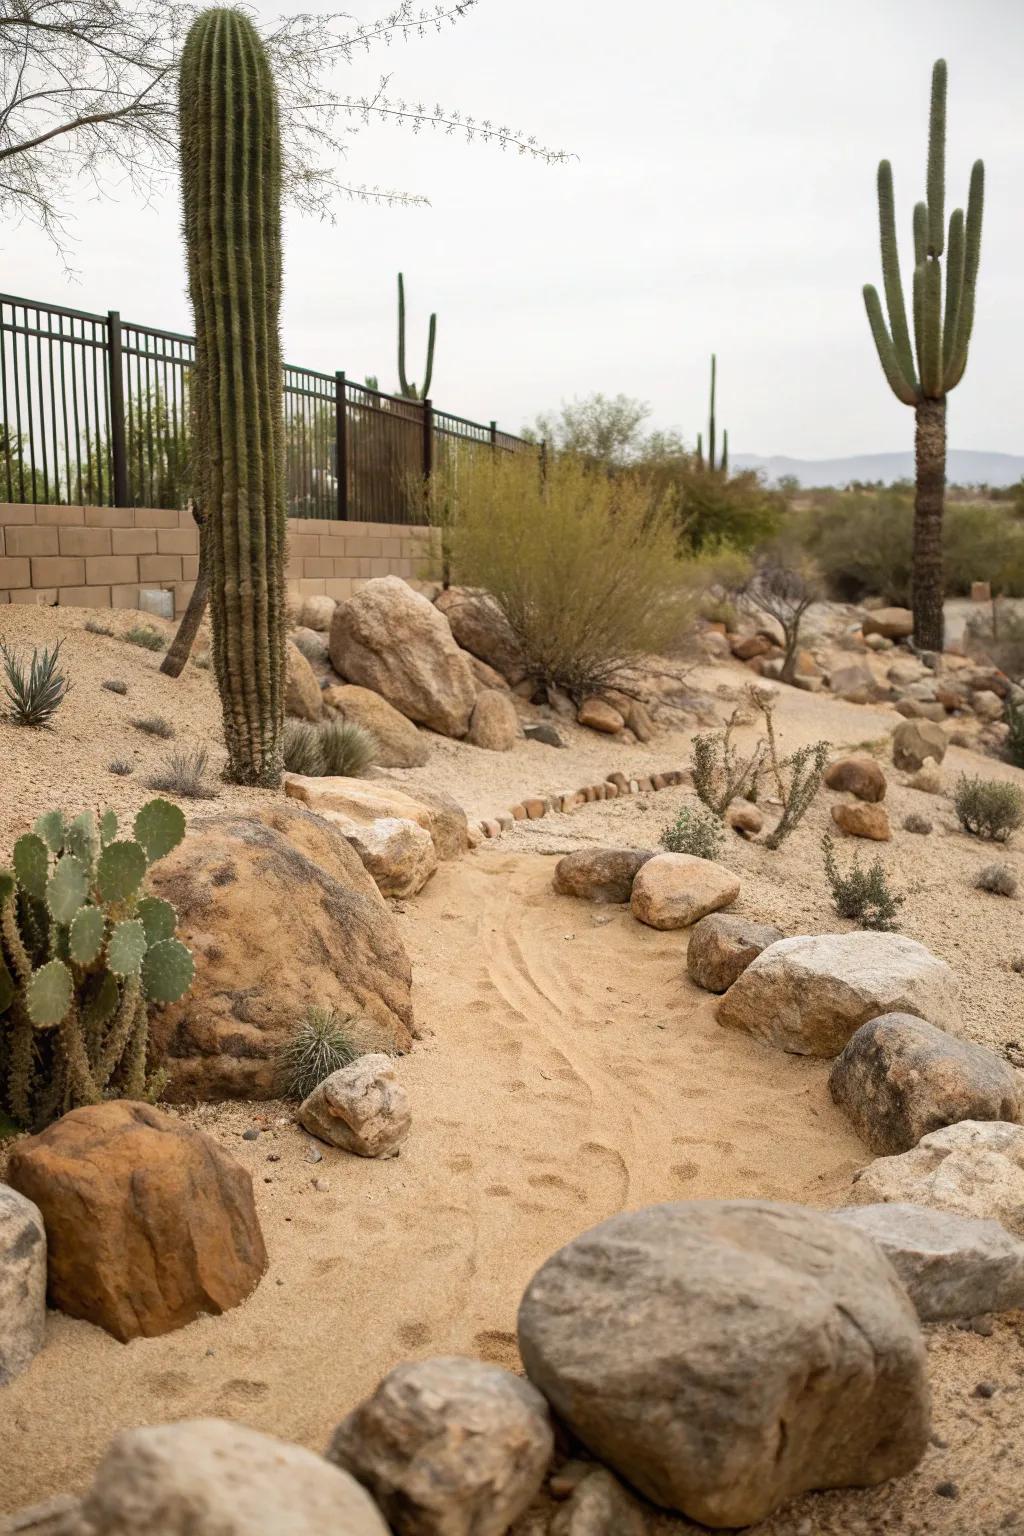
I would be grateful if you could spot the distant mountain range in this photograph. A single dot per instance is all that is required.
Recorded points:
(964, 467)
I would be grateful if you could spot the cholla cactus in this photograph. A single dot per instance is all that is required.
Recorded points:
(83, 951)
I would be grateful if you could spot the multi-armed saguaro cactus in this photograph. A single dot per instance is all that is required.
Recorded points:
(231, 192)
(942, 335)
(409, 390)
(82, 953)
(723, 465)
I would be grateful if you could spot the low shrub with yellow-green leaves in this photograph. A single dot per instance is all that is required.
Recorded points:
(83, 952)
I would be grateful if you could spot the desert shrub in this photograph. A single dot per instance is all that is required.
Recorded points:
(714, 509)
(94, 627)
(983, 542)
(154, 725)
(122, 766)
(797, 778)
(202, 660)
(988, 808)
(915, 822)
(861, 543)
(35, 689)
(583, 564)
(349, 750)
(783, 588)
(114, 685)
(320, 1044)
(721, 773)
(860, 894)
(184, 774)
(697, 832)
(145, 636)
(1000, 879)
(1014, 717)
(84, 952)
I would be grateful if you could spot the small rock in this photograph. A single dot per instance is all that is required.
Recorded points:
(22, 1283)
(448, 1447)
(890, 623)
(675, 890)
(361, 1108)
(917, 823)
(947, 1490)
(494, 724)
(855, 683)
(303, 698)
(975, 1168)
(860, 776)
(543, 732)
(860, 820)
(721, 947)
(314, 1155)
(398, 853)
(317, 612)
(915, 740)
(599, 1506)
(535, 808)
(748, 647)
(745, 818)
(987, 705)
(250, 1135)
(598, 715)
(599, 874)
(322, 1186)
(985, 1389)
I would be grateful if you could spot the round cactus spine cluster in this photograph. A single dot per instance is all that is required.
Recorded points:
(231, 192)
(83, 952)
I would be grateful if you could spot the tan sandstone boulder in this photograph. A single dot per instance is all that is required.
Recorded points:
(399, 854)
(390, 638)
(22, 1283)
(399, 743)
(494, 725)
(890, 623)
(281, 916)
(302, 697)
(975, 1168)
(859, 820)
(674, 890)
(361, 1108)
(722, 946)
(149, 1223)
(598, 715)
(366, 800)
(316, 612)
(481, 628)
(916, 740)
(599, 874)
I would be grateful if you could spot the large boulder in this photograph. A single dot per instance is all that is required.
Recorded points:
(399, 743)
(916, 740)
(725, 1356)
(449, 825)
(361, 1108)
(975, 1168)
(494, 724)
(898, 1078)
(208, 1477)
(481, 628)
(860, 776)
(389, 638)
(808, 994)
(398, 853)
(854, 682)
(22, 1283)
(281, 917)
(890, 623)
(149, 1223)
(952, 1266)
(365, 800)
(448, 1447)
(674, 890)
(599, 874)
(302, 696)
(722, 946)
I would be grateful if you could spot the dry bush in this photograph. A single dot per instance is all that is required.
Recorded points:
(721, 773)
(988, 808)
(583, 564)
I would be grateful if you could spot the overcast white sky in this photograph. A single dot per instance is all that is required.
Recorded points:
(723, 200)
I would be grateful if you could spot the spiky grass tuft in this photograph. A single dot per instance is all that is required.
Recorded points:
(349, 750)
(320, 1044)
(35, 689)
(146, 637)
(184, 774)
(155, 725)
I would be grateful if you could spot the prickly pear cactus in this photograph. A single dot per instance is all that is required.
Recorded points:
(83, 953)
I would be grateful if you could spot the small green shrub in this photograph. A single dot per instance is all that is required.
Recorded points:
(988, 808)
(1000, 879)
(797, 778)
(145, 636)
(697, 832)
(184, 774)
(94, 627)
(155, 725)
(1014, 717)
(122, 766)
(860, 894)
(302, 751)
(83, 953)
(36, 689)
(335, 747)
(114, 685)
(915, 822)
(320, 1045)
(720, 772)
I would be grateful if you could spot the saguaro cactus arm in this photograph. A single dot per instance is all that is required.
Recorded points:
(410, 390)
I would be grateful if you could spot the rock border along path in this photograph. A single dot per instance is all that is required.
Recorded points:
(532, 808)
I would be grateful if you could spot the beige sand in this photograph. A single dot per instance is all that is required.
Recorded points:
(567, 1068)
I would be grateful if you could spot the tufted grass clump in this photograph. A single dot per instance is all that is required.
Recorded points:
(94, 627)
(335, 747)
(184, 773)
(698, 832)
(863, 895)
(35, 689)
(988, 808)
(915, 822)
(1000, 879)
(154, 725)
(146, 637)
(320, 1044)
(122, 766)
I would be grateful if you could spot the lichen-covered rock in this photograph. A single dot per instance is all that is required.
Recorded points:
(899, 1077)
(361, 1108)
(448, 1447)
(677, 1343)
(207, 1477)
(808, 994)
(149, 1223)
(399, 854)
(952, 1266)
(860, 776)
(494, 724)
(481, 628)
(916, 740)
(599, 874)
(390, 638)
(722, 946)
(857, 819)
(975, 1168)
(302, 696)
(675, 890)
(399, 743)
(281, 916)
(22, 1283)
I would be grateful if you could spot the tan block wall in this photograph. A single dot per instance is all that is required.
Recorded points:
(100, 557)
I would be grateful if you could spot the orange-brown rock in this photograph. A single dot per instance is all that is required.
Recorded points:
(599, 715)
(860, 820)
(149, 1223)
(861, 776)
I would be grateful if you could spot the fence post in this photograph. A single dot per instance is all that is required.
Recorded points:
(494, 437)
(341, 445)
(428, 439)
(118, 446)
(543, 459)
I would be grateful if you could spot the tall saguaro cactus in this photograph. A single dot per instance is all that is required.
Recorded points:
(723, 464)
(231, 193)
(409, 390)
(921, 373)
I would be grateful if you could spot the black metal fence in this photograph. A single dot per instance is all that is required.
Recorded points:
(94, 410)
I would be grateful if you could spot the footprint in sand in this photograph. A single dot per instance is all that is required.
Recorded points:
(496, 1346)
(241, 1390)
(168, 1383)
(685, 1172)
(413, 1335)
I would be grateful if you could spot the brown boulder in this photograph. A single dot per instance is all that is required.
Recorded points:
(302, 696)
(149, 1223)
(481, 628)
(280, 915)
(399, 743)
(860, 820)
(748, 647)
(890, 623)
(674, 890)
(599, 874)
(745, 818)
(494, 725)
(915, 740)
(598, 715)
(391, 639)
(721, 947)
(487, 677)
(855, 683)
(860, 776)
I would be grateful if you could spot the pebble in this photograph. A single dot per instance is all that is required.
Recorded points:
(314, 1155)
(983, 1325)
(273, 1157)
(250, 1135)
(985, 1389)
(947, 1490)
(322, 1185)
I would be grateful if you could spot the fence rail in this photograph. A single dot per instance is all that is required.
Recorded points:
(94, 410)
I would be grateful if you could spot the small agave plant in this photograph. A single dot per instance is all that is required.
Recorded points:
(83, 952)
